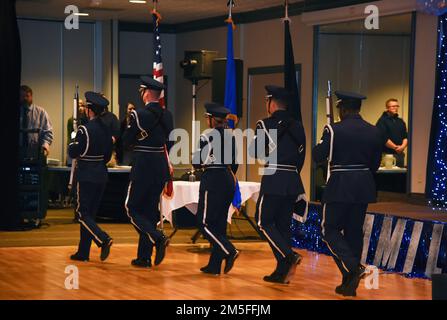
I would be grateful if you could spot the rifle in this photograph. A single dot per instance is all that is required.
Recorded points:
(330, 120)
(73, 134)
(329, 104)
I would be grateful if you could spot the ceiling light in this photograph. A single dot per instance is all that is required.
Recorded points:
(137, 1)
(83, 14)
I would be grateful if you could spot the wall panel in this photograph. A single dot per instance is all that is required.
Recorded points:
(53, 61)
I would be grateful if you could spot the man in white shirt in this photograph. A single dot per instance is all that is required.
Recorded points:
(35, 123)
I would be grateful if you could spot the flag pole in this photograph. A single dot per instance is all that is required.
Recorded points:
(160, 225)
(286, 11)
(230, 5)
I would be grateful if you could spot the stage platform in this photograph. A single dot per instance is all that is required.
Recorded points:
(408, 210)
(39, 273)
(404, 237)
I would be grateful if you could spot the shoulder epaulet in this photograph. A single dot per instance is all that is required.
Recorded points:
(137, 120)
(203, 138)
(83, 129)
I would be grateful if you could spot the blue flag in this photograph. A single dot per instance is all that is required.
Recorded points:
(237, 198)
(230, 100)
(230, 79)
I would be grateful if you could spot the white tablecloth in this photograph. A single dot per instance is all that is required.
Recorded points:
(186, 194)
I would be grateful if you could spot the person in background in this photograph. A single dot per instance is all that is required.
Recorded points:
(130, 107)
(123, 156)
(394, 132)
(36, 128)
(111, 120)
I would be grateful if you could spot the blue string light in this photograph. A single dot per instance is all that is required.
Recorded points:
(436, 7)
(438, 187)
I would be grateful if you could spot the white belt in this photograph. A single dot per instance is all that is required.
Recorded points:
(341, 170)
(282, 167)
(349, 167)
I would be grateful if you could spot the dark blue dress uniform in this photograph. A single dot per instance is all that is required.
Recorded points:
(353, 148)
(148, 132)
(217, 187)
(281, 183)
(92, 147)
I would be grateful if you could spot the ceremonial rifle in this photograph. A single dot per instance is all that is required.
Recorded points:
(329, 121)
(73, 134)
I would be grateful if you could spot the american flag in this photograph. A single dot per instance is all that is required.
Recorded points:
(157, 70)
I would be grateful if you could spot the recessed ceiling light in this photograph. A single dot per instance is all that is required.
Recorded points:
(137, 1)
(83, 14)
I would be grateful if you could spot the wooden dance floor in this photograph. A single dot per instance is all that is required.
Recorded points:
(39, 273)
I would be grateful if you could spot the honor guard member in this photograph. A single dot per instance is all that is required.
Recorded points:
(217, 187)
(148, 132)
(281, 183)
(92, 147)
(353, 148)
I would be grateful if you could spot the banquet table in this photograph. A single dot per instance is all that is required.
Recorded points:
(186, 194)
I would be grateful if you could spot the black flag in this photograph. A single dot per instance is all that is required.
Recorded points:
(290, 82)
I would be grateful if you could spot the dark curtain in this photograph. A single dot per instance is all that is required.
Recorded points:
(10, 67)
(437, 138)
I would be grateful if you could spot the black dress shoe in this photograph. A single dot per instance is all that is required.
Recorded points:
(292, 261)
(161, 246)
(352, 283)
(341, 288)
(229, 261)
(276, 278)
(361, 272)
(78, 257)
(105, 249)
(207, 270)
(142, 263)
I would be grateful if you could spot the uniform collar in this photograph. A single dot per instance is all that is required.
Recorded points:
(152, 104)
(280, 114)
(353, 116)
